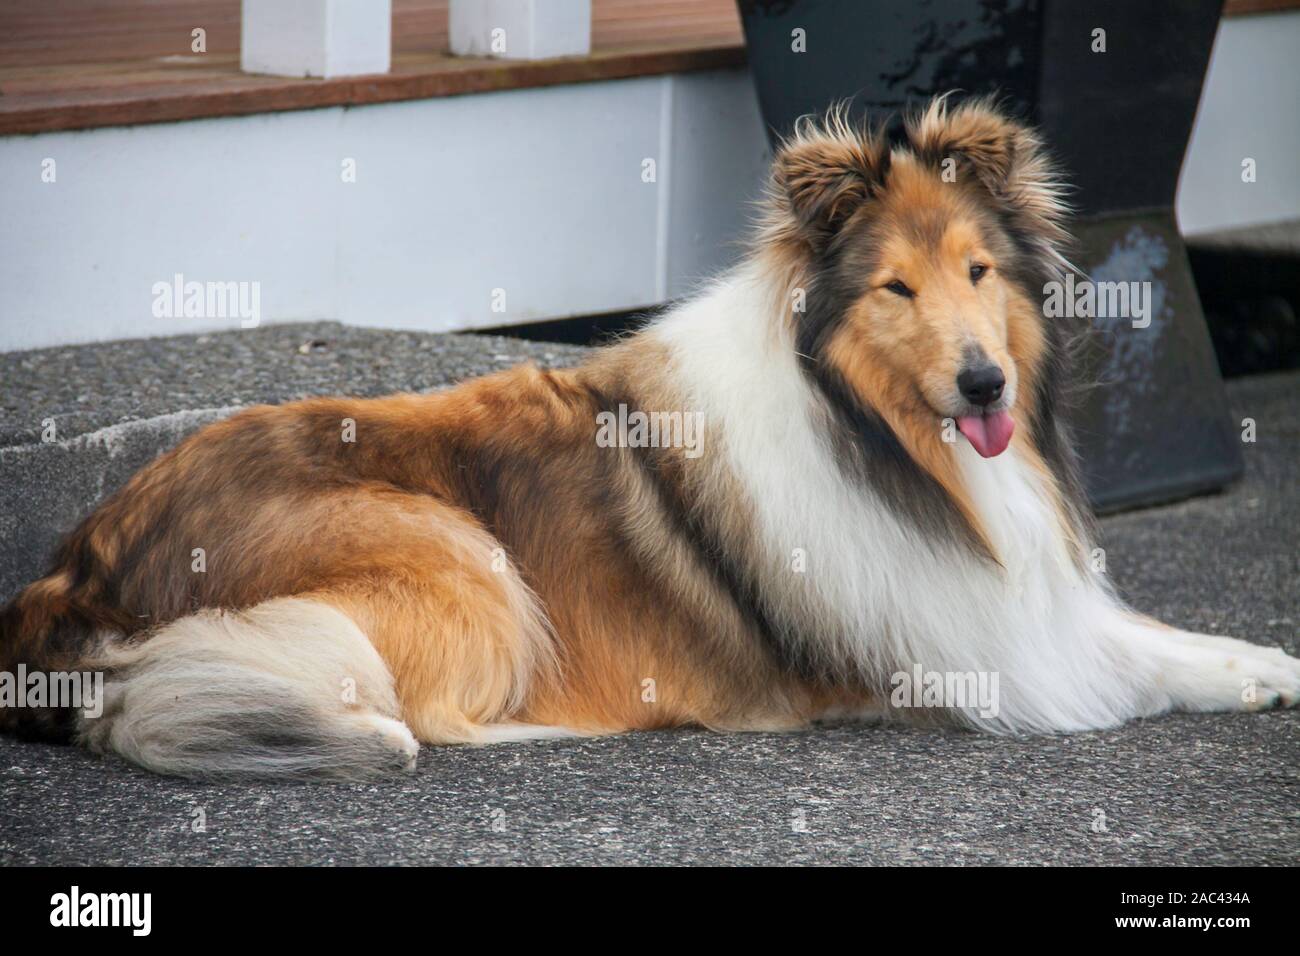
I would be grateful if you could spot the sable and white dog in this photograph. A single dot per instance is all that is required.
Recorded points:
(880, 482)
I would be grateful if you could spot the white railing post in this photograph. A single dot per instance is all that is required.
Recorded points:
(520, 29)
(316, 37)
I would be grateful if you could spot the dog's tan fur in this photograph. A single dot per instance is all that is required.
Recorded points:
(419, 530)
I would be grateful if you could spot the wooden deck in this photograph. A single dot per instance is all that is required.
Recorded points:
(77, 64)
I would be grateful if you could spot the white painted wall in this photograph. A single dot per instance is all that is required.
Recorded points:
(1250, 107)
(536, 192)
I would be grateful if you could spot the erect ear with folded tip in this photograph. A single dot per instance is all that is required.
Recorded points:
(825, 172)
(1005, 156)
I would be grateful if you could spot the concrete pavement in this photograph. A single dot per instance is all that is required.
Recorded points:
(1185, 789)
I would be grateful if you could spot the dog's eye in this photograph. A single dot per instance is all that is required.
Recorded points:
(977, 272)
(898, 288)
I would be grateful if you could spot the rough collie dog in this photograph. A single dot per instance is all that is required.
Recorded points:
(839, 464)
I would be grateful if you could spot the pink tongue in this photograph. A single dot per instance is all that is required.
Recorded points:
(989, 434)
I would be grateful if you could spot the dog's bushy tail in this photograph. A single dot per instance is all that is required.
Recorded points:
(289, 688)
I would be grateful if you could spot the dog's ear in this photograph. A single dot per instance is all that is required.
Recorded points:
(826, 171)
(1006, 157)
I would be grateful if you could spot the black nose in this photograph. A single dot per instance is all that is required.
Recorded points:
(981, 386)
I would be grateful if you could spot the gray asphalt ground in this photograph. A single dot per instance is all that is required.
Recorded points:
(1183, 789)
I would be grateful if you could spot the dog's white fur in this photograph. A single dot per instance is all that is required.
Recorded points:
(1068, 654)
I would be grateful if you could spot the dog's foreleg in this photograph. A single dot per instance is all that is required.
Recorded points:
(1205, 672)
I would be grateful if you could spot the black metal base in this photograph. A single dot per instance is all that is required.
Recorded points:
(1155, 424)
(1157, 427)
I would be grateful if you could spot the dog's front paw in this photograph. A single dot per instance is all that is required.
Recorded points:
(1223, 673)
(1277, 684)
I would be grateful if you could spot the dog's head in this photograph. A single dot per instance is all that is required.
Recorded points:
(920, 258)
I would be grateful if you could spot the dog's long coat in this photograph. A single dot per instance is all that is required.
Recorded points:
(883, 482)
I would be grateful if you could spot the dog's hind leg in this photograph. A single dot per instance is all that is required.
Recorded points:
(443, 604)
(414, 626)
